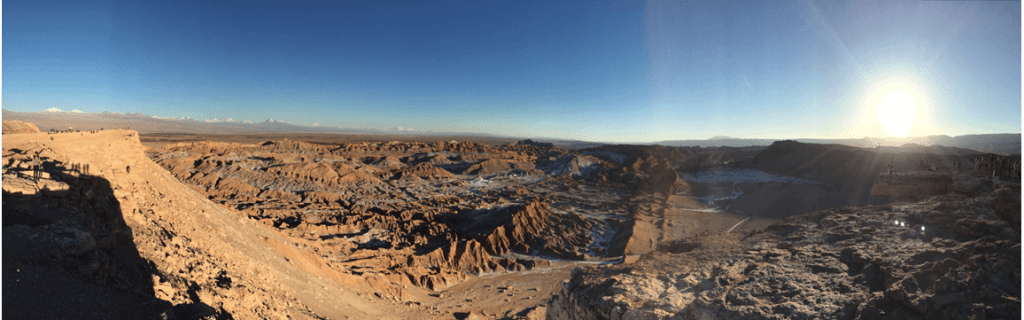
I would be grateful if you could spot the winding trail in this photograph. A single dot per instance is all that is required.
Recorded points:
(741, 221)
(718, 209)
(737, 211)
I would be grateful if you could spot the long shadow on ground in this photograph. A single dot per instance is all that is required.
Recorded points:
(68, 253)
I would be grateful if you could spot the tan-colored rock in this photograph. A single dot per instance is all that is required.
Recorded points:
(16, 127)
(492, 166)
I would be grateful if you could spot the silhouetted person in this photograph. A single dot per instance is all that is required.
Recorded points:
(127, 169)
(35, 166)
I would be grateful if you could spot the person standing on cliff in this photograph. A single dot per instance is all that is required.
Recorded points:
(889, 170)
(35, 166)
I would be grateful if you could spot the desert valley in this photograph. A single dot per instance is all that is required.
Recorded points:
(627, 160)
(134, 224)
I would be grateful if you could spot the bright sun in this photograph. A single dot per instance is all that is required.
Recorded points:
(896, 112)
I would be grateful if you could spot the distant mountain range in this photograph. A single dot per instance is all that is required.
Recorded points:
(1004, 144)
(59, 119)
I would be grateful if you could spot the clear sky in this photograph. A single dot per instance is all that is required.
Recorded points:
(621, 72)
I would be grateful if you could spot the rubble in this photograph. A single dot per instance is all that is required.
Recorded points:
(946, 257)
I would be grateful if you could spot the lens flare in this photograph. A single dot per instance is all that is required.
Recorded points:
(896, 112)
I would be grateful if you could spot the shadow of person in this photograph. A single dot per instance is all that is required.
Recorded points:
(68, 254)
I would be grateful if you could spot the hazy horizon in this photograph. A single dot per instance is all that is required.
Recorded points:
(199, 125)
(630, 72)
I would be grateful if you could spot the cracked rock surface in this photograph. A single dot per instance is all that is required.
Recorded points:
(848, 263)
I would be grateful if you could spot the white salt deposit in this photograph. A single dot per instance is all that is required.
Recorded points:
(740, 176)
(719, 195)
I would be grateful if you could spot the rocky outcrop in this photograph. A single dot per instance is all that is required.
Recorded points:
(234, 188)
(652, 178)
(358, 178)
(319, 172)
(947, 257)
(648, 172)
(16, 127)
(492, 166)
(532, 229)
(424, 171)
(463, 256)
(377, 209)
(388, 162)
(918, 185)
(124, 239)
(1005, 201)
(581, 166)
(321, 197)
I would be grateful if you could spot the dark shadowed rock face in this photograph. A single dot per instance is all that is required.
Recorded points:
(68, 252)
(847, 263)
(1005, 200)
(919, 185)
(913, 186)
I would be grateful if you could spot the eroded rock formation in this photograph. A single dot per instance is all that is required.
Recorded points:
(947, 257)
(429, 214)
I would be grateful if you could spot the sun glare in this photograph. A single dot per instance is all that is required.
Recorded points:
(896, 112)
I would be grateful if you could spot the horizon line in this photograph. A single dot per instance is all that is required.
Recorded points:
(399, 130)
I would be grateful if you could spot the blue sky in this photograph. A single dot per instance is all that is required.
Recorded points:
(623, 72)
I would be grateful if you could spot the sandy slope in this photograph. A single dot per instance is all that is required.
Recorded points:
(200, 250)
(14, 126)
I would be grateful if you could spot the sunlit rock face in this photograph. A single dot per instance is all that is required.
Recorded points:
(428, 214)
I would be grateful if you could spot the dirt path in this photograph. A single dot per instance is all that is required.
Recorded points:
(684, 217)
(738, 223)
